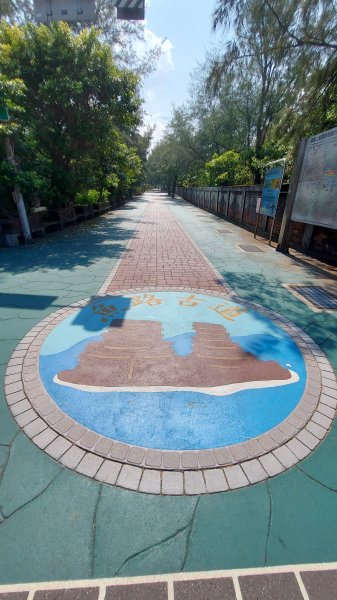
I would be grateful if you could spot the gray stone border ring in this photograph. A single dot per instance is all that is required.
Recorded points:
(165, 472)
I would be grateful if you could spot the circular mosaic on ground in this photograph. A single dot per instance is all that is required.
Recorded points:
(172, 370)
(171, 392)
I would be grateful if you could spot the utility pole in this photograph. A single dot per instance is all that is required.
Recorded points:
(18, 199)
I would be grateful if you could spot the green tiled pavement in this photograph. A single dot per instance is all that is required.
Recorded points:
(55, 524)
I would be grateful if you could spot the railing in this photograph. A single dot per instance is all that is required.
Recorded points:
(237, 203)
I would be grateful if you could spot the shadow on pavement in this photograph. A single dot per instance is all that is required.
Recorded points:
(76, 246)
(29, 301)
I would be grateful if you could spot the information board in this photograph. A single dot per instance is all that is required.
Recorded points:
(271, 190)
(316, 195)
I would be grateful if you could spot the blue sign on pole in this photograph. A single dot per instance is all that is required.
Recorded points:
(271, 190)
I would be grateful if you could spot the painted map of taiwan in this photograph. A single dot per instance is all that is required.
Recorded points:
(132, 356)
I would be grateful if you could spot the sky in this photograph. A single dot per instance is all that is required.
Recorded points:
(186, 27)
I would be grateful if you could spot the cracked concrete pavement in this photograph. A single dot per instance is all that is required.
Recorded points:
(56, 524)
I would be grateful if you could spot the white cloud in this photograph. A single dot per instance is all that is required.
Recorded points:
(160, 124)
(149, 95)
(151, 41)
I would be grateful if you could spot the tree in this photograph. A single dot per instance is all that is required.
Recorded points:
(76, 100)
(16, 10)
(299, 40)
(257, 51)
(228, 169)
(303, 23)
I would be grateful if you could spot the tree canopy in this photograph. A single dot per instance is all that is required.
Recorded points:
(273, 82)
(74, 111)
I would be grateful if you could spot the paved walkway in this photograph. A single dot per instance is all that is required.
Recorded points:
(162, 255)
(106, 531)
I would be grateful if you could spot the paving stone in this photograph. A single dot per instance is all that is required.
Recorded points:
(215, 480)
(326, 410)
(150, 482)
(285, 456)
(54, 417)
(13, 370)
(153, 458)
(308, 439)
(253, 448)
(235, 477)
(11, 388)
(172, 483)
(89, 439)
(273, 586)
(271, 465)
(108, 472)
(223, 456)
(189, 460)
(58, 447)
(316, 430)
(329, 391)
(68, 594)
(321, 420)
(76, 432)
(141, 591)
(35, 427)
(221, 588)
(44, 438)
(332, 402)
(194, 483)
(89, 465)
(119, 451)
(267, 442)
(320, 585)
(206, 458)
(103, 446)
(43, 405)
(64, 425)
(26, 417)
(171, 460)
(238, 452)
(299, 449)
(129, 477)
(254, 470)
(279, 436)
(136, 455)
(71, 458)
(20, 407)
(15, 397)
(288, 429)
(12, 378)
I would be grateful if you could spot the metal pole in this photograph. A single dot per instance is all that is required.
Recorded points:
(256, 224)
(272, 228)
(18, 196)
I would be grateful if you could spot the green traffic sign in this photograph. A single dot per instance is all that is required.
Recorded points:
(4, 116)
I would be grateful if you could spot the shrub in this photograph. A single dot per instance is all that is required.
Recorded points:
(228, 169)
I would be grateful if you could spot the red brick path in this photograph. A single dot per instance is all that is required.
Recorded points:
(163, 255)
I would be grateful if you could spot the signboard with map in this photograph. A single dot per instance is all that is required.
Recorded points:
(316, 194)
(271, 190)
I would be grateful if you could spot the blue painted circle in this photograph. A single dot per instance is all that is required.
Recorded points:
(177, 419)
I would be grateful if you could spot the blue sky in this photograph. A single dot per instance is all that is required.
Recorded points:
(186, 27)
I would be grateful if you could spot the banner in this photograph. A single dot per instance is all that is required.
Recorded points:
(271, 190)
